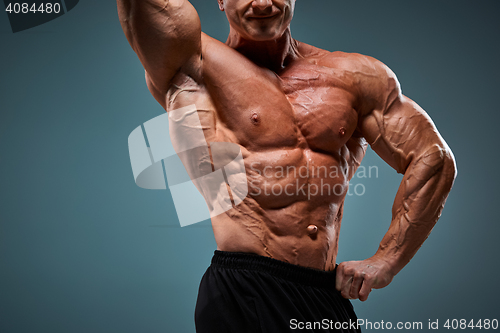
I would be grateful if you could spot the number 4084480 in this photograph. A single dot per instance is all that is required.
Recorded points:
(25, 8)
(462, 324)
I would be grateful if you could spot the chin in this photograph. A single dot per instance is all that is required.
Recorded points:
(264, 35)
(264, 38)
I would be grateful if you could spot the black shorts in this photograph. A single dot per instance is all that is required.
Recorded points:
(249, 293)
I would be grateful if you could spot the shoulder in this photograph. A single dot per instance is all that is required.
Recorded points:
(356, 64)
(374, 83)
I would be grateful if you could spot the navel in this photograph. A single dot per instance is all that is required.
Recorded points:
(312, 229)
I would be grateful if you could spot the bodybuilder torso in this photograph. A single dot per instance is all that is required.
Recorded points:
(297, 131)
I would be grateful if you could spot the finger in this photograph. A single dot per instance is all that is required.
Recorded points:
(356, 285)
(339, 277)
(346, 287)
(365, 290)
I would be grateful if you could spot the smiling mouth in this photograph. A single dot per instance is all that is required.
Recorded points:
(263, 17)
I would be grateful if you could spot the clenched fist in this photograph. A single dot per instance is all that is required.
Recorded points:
(356, 279)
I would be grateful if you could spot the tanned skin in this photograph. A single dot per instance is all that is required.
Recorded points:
(289, 104)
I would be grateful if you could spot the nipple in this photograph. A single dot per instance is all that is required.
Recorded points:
(255, 118)
(312, 229)
(342, 131)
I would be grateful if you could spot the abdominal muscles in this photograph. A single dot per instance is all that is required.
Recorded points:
(292, 211)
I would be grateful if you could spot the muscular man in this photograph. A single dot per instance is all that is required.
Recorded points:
(296, 113)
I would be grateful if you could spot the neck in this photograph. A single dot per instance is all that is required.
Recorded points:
(273, 54)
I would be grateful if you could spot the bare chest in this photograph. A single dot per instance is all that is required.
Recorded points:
(304, 107)
(323, 111)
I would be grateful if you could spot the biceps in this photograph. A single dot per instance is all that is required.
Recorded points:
(166, 35)
(400, 134)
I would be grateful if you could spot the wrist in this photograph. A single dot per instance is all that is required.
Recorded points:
(392, 263)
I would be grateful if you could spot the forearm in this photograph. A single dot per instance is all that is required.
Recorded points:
(418, 205)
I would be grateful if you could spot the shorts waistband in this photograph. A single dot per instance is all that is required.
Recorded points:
(277, 268)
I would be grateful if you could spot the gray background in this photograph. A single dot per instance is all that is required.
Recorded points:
(83, 249)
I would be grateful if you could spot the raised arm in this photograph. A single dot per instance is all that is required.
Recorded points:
(404, 136)
(166, 35)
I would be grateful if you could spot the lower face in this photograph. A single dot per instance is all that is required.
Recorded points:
(265, 25)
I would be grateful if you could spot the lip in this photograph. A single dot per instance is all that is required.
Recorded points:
(274, 13)
(262, 17)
